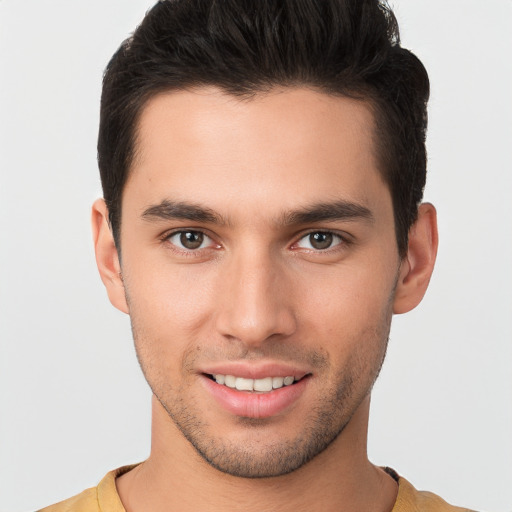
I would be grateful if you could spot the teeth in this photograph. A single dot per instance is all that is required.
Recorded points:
(262, 385)
(277, 382)
(244, 384)
(230, 381)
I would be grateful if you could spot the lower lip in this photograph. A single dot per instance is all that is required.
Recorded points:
(255, 405)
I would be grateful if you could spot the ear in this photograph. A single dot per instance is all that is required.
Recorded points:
(107, 258)
(418, 264)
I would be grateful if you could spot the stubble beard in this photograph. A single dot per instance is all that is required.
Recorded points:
(325, 422)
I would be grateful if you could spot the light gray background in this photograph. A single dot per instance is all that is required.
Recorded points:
(73, 403)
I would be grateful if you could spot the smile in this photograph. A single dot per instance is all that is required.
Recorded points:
(260, 397)
(263, 385)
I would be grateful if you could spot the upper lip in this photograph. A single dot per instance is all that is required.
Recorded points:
(248, 370)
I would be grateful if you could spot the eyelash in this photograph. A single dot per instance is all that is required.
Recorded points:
(166, 238)
(344, 241)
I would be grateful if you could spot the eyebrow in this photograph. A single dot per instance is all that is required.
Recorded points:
(321, 212)
(173, 210)
(318, 212)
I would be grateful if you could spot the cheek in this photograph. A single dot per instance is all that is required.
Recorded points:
(169, 298)
(165, 342)
(346, 299)
(168, 312)
(350, 315)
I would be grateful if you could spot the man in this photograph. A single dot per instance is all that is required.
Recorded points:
(263, 166)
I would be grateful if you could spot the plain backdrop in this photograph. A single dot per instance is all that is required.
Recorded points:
(73, 402)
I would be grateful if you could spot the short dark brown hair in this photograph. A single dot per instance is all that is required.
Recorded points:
(340, 47)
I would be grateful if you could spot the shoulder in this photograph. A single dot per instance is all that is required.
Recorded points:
(87, 501)
(411, 500)
(103, 498)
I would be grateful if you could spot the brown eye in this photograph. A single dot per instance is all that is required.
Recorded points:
(320, 240)
(189, 240)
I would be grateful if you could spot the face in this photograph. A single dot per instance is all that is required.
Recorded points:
(259, 262)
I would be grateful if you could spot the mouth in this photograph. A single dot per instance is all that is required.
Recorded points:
(256, 390)
(261, 385)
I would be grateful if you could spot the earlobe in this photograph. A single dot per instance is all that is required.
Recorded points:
(418, 264)
(107, 257)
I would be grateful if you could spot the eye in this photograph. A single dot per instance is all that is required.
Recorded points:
(319, 240)
(190, 240)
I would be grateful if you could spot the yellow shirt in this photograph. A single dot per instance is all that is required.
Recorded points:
(104, 498)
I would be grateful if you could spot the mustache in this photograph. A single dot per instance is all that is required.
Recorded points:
(274, 351)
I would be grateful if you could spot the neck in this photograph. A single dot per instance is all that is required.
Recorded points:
(175, 477)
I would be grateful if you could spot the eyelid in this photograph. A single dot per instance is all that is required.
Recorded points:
(167, 235)
(345, 240)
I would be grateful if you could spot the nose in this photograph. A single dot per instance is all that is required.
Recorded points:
(255, 302)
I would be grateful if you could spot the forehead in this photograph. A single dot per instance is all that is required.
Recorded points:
(277, 149)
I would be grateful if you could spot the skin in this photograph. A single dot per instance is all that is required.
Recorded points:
(260, 293)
